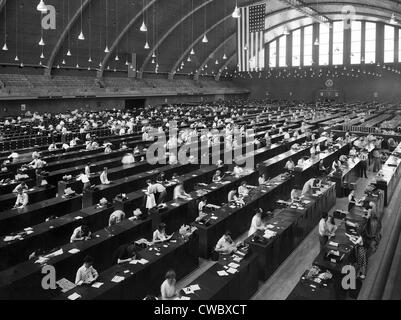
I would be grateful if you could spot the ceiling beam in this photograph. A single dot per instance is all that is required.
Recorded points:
(211, 55)
(164, 37)
(121, 36)
(192, 45)
(63, 36)
(307, 10)
(229, 60)
(2, 4)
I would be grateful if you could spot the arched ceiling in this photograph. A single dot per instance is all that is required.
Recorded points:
(174, 28)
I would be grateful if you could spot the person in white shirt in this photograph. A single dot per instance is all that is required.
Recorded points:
(201, 206)
(179, 193)
(324, 232)
(22, 199)
(116, 217)
(85, 180)
(243, 189)
(287, 136)
(22, 186)
(86, 274)
(294, 195)
(81, 233)
(257, 222)
(308, 187)
(226, 245)
(238, 171)
(103, 177)
(160, 234)
(52, 147)
(290, 165)
(262, 180)
(168, 288)
(217, 176)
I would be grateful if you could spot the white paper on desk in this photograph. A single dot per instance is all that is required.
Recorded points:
(214, 218)
(195, 287)
(175, 205)
(74, 296)
(185, 298)
(225, 182)
(55, 254)
(41, 260)
(97, 285)
(269, 226)
(29, 232)
(188, 290)
(189, 199)
(28, 229)
(222, 273)
(143, 261)
(240, 253)
(117, 279)
(78, 218)
(237, 259)
(133, 262)
(74, 251)
(8, 239)
(234, 265)
(333, 244)
(232, 270)
(232, 207)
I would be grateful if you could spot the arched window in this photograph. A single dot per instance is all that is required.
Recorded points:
(282, 61)
(296, 48)
(356, 42)
(273, 54)
(324, 47)
(338, 42)
(308, 44)
(388, 44)
(370, 42)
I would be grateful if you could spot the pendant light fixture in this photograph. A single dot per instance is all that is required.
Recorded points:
(237, 13)
(41, 7)
(143, 27)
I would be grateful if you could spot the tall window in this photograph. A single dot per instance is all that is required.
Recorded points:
(388, 44)
(273, 54)
(338, 42)
(370, 42)
(324, 40)
(356, 42)
(296, 48)
(308, 43)
(282, 61)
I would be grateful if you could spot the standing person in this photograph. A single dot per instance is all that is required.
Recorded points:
(364, 163)
(352, 200)
(323, 230)
(258, 222)
(103, 177)
(150, 195)
(376, 160)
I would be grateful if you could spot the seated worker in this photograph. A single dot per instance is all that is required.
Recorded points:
(86, 274)
(160, 234)
(81, 233)
(116, 217)
(226, 245)
(125, 253)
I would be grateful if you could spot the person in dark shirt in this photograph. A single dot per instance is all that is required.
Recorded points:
(126, 253)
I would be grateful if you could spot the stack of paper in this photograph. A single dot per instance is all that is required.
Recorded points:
(97, 285)
(222, 273)
(232, 270)
(74, 251)
(74, 296)
(143, 261)
(117, 279)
